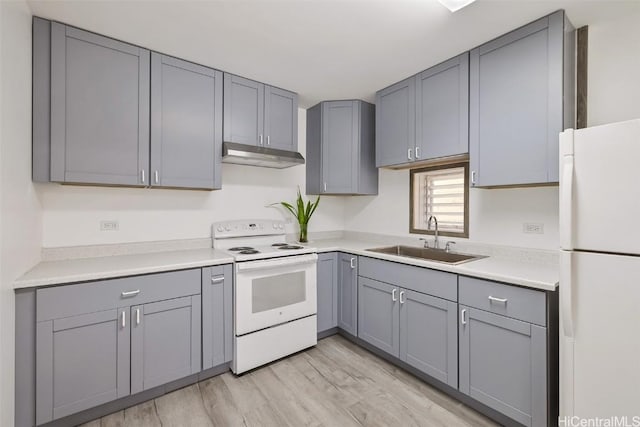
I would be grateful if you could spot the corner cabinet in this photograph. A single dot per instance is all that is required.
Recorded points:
(424, 117)
(521, 98)
(341, 148)
(259, 114)
(110, 113)
(100, 341)
(348, 293)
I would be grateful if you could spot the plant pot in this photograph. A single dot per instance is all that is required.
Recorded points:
(302, 238)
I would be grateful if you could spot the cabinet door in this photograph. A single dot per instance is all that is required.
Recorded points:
(429, 335)
(280, 119)
(165, 341)
(81, 361)
(243, 110)
(442, 109)
(503, 365)
(217, 316)
(396, 123)
(516, 91)
(348, 293)
(186, 124)
(378, 315)
(340, 136)
(327, 287)
(99, 109)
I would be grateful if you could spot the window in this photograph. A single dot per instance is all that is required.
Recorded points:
(442, 192)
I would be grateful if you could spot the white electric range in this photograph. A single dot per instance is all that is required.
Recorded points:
(274, 294)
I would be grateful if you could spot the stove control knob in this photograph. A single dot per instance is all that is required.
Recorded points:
(227, 228)
(220, 228)
(275, 225)
(281, 226)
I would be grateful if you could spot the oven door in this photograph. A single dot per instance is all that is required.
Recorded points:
(274, 291)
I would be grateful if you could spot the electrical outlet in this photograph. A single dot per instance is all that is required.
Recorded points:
(109, 225)
(533, 228)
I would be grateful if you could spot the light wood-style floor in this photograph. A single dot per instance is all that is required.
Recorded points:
(334, 384)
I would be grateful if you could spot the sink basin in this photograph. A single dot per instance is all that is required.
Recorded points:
(429, 254)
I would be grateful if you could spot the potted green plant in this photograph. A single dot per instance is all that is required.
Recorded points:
(302, 212)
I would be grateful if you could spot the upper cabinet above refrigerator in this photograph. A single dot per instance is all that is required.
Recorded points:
(521, 98)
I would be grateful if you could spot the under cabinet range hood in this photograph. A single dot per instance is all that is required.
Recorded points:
(254, 155)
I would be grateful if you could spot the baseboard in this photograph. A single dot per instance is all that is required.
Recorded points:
(327, 333)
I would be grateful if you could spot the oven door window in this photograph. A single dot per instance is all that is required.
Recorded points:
(272, 292)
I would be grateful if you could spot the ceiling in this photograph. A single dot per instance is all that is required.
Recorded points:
(322, 49)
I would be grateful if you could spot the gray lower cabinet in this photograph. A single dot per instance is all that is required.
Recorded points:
(165, 341)
(217, 315)
(91, 107)
(259, 114)
(348, 293)
(100, 341)
(503, 364)
(185, 153)
(327, 288)
(341, 148)
(378, 315)
(521, 98)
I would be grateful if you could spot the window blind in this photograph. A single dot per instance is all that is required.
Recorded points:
(441, 193)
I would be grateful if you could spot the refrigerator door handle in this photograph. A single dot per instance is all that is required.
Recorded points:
(566, 189)
(566, 292)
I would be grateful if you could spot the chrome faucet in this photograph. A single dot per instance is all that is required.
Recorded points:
(435, 242)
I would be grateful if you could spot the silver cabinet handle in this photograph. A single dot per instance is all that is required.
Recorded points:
(325, 187)
(500, 300)
(402, 300)
(268, 140)
(137, 316)
(217, 279)
(352, 262)
(260, 139)
(155, 176)
(142, 176)
(463, 318)
(130, 293)
(124, 319)
(409, 154)
(393, 295)
(417, 152)
(473, 177)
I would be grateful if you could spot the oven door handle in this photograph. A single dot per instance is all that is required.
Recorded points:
(276, 262)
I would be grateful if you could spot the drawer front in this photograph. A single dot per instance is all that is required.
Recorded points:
(511, 301)
(431, 282)
(90, 297)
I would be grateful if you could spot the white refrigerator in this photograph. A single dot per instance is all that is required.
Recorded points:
(600, 271)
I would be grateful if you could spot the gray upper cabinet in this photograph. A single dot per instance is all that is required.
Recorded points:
(100, 341)
(378, 318)
(517, 109)
(327, 288)
(503, 364)
(259, 114)
(396, 123)
(348, 293)
(217, 315)
(165, 341)
(280, 119)
(99, 100)
(442, 109)
(186, 124)
(341, 148)
(425, 116)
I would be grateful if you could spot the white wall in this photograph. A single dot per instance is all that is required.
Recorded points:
(496, 215)
(20, 212)
(72, 214)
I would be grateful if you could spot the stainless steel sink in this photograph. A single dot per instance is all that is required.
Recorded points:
(429, 254)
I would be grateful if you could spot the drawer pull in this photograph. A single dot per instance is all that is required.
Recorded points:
(130, 293)
(217, 279)
(394, 298)
(401, 297)
(500, 300)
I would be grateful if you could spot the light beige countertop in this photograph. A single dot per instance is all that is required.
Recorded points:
(517, 270)
(104, 267)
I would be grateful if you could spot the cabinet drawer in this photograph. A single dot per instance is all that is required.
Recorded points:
(431, 282)
(71, 300)
(519, 303)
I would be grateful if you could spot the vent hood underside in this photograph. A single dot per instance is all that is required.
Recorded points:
(254, 155)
